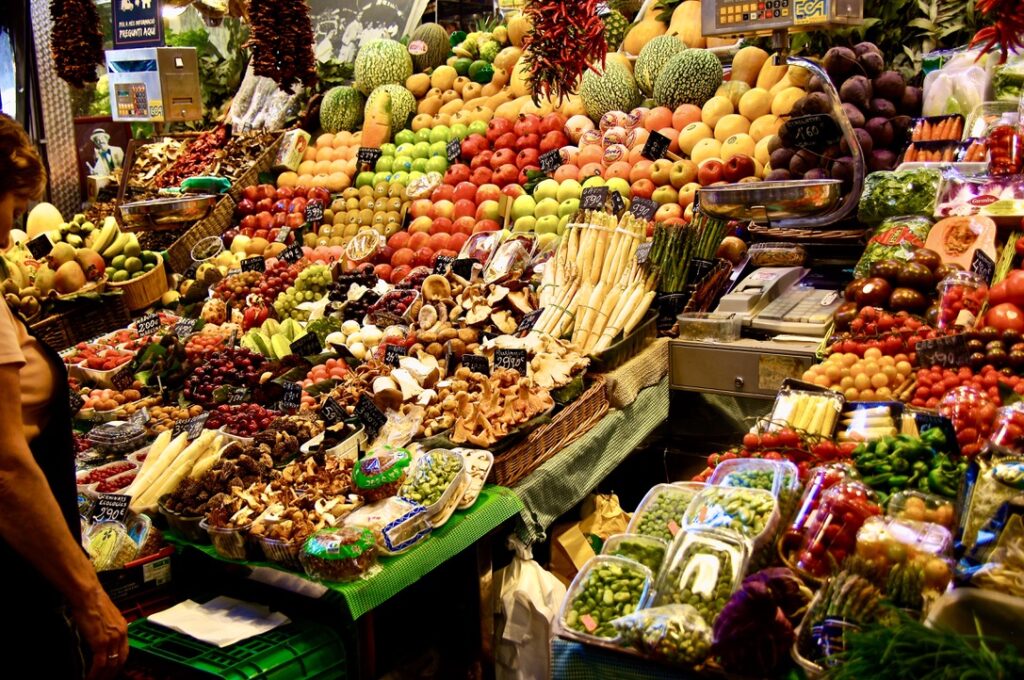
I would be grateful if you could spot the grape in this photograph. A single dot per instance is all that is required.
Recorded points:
(311, 284)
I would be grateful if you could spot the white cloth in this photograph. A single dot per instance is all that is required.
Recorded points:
(221, 622)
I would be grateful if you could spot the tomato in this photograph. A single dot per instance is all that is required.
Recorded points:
(1006, 316)
(788, 438)
(751, 441)
(770, 440)
(1014, 284)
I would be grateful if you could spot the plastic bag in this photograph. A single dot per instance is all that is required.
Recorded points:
(674, 633)
(961, 84)
(896, 238)
(901, 192)
(528, 598)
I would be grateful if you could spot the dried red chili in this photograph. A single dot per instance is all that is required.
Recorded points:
(282, 41)
(564, 41)
(76, 40)
(1007, 29)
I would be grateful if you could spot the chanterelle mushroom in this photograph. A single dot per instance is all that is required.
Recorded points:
(504, 322)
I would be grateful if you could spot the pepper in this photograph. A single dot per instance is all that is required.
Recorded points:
(878, 480)
(898, 481)
(940, 484)
(900, 464)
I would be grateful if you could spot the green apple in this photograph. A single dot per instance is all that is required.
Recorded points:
(569, 188)
(402, 163)
(437, 164)
(545, 207)
(388, 149)
(620, 185)
(523, 205)
(381, 177)
(568, 206)
(524, 223)
(478, 127)
(421, 150)
(547, 225)
(563, 222)
(460, 130)
(405, 137)
(546, 189)
(595, 181)
(423, 135)
(441, 133)
(419, 164)
(547, 242)
(439, 149)
(405, 149)
(364, 179)
(402, 178)
(384, 164)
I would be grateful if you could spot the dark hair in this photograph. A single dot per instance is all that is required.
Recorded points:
(21, 168)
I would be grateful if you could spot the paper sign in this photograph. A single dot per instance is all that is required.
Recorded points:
(551, 161)
(392, 354)
(40, 246)
(314, 211)
(949, 351)
(618, 204)
(463, 267)
(111, 507)
(370, 416)
(307, 346)
(123, 379)
(237, 395)
(983, 265)
(282, 235)
(815, 131)
(75, 401)
(442, 263)
(193, 427)
(643, 252)
(368, 155)
(511, 358)
(292, 397)
(593, 198)
(454, 148)
(147, 325)
(644, 209)
(528, 321)
(185, 327)
(292, 253)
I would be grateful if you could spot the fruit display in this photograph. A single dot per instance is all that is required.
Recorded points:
(240, 420)
(265, 210)
(891, 542)
(875, 376)
(310, 285)
(232, 367)
(273, 339)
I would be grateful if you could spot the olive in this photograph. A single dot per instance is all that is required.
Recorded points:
(975, 345)
(928, 257)
(844, 314)
(995, 344)
(874, 293)
(917, 276)
(907, 299)
(887, 269)
(1007, 371)
(852, 288)
(976, 360)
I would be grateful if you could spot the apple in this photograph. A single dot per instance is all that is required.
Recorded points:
(464, 191)
(665, 194)
(481, 175)
(523, 205)
(643, 188)
(555, 139)
(497, 127)
(421, 207)
(299, 204)
(687, 193)
(477, 127)
(547, 188)
(530, 141)
(502, 157)
(420, 165)
(441, 225)
(264, 220)
(667, 211)
(404, 149)
(545, 207)
(595, 181)
(513, 190)
(443, 209)
(423, 134)
(364, 179)
(246, 206)
(268, 191)
(438, 164)
(488, 192)
(440, 133)
(506, 174)
(446, 192)
(252, 193)
(547, 224)
(464, 225)
(422, 223)
(661, 171)
(405, 137)
(488, 210)
(464, 207)
(383, 255)
(570, 188)
(456, 240)
(421, 150)
(248, 222)
(527, 157)
(738, 167)
(279, 219)
(527, 123)
(505, 141)
(459, 131)
(301, 191)
(525, 223)
(401, 163)
(683, 172)
(404, 178)
(264, 205)
(483, 159)
(568, 206)
(384, 164)
(523, 177)
(620, 185)
(711, 170)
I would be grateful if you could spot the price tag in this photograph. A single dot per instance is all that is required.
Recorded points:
(233, 338)
(949, 351)
(983, 265)
(463, 267)
(238, 395)
(315, 210)
(147, 325)
(370, 416)
(526, 325)
(332, 412)
(123, 379)
(307, 346)
(111, 507)
(602, 9)
(292, 397)
(644, 209)
(454, 149)
(368, 155)
(476, 363)
(815, 131)
(442, 264)
(192, 427)
(393, 353)
(140, 417)
(593, 198)
(282, 234)
(75, 401)
(656, 146)
(292, 253)
(551, 161)
(40, 246)
(511, 358)
(643, 252)
(701, 268)
(254, 264)
(185, 327)
(449, 359)
(618, 204)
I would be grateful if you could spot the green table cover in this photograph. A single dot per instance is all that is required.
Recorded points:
(572, 660)
(564, 480)
(495, 505)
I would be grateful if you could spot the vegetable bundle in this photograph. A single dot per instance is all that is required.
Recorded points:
(675, 247)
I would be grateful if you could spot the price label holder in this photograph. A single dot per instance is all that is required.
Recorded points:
(147, 325)
(111, 507)
(643, 209)
(254, 264)
(701, 268)
(192, 427)
(237, 395)
(292, 397)
(454, 149)
(394, 353)
(618, 203)
(814, 131)
(332, 412)
(75, 401)
(292, 253)
(40, 246)
(370, 416)
(368, 155)
(643, 252)
(442, 264)
(983, 265)
(233, 338)
(593, 198)
(464, 267)
(949, 351)
(511, 358)
(315, 210)
(307, 346)
(234, 271)
(551, 161)
(185, 328)
(656, 146)
(140, 417)
(526, 325)
(477, 363)
(282, 234)
(123, 379)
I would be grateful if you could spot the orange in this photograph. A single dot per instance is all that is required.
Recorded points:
(325, 153)
(567, 171)
(590, 153)
(640, 137)
(658, 117)
(589, 170)
(635, 155)
(617, 169)
(339, 165)
(673, 135)
(326, 139)
(640, 170)
(343, 138)
(310, 154)
(684, 115)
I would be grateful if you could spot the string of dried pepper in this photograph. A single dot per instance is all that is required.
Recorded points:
(282, 41)
(1007, 29)
(76, 40)
(566, 39)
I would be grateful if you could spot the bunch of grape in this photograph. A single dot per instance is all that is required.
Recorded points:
(278, 278)
(235, 288)
(311, 284)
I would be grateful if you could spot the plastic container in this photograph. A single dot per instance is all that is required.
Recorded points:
(888, 541)
(814, 412)
(347, 438)
(397, 524)
(1006, 150)
(110, 546)
(918, 506)
(433, 479)
(605, 588)
(708, 327)
(89, 479)
(1008, 430)
(99, 378)
(339, 554)
(285, 553)
(478, 465)
(381, 474)
(480, 246)
(675, 634)
(647, 550)
(754, 513)
(117, 437)
(997, 481)
(188, 527)
(510, 257)
(968, 611)
(988, 114)
(778, 476)
(703, 569)
(232, 543)
(820, 479)
(867, 421)
(230, 438)
(117, 483)
(830, 534)
(961, 297)
(777, 255)
(660, 513)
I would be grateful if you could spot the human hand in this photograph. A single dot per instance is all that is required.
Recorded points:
(104, 630)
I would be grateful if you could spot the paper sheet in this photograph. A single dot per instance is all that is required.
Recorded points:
(221, 622)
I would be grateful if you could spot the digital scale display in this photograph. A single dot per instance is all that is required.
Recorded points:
(132, 100)
(743, 12)
(745, 17)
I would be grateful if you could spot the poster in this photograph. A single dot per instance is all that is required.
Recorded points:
(340, 26)
(137, 23)
(100, 143)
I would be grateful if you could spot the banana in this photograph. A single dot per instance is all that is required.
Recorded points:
(117, 247)
(104, 237)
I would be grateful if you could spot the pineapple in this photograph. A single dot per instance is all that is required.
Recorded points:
(615, 27)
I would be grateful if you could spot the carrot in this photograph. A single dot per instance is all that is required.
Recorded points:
(908, 155)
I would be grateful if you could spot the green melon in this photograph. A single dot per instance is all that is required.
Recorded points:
(341, 109)
(612, 90)
(403, 104)
(652, 59)
(690, 77)
(382, 62)
(436, 39)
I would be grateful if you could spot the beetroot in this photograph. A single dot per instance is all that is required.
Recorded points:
(881, 159)
(816, 173)
(881, 107)
(867, 144)
(778, 175)
(864, 47)
(855, 115)
(881, 132)
(840, 62)
(856, 90)
(842, 169)
(780, 157)
(910, 104)
(890, 85)
(803, 161)
(872, 63)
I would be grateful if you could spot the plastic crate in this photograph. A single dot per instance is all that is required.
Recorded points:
(301, 649)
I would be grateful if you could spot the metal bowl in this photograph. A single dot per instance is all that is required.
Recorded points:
(167, 210)
(779, 200)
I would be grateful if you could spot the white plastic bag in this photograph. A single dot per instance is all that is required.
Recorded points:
(528, 598)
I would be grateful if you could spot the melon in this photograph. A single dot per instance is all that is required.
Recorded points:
(43, 218)
(341, 109)
(746, 65)
(686, 23)
(690, 77)
(520, 80)
(613, 90)
(518, 27)
(652, 59)
(403, 104)
(381, 62)
(437, 46)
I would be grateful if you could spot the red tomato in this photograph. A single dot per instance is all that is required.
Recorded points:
(751, 441)
(1015, 287)
(1006, 316)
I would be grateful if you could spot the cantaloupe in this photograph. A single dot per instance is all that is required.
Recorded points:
(641, 34)
(42, 218)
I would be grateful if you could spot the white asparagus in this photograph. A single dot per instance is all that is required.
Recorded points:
(602, 318)
(638, 313)
(182, 465)
(593, 304)
(600, 247)
(155, 466)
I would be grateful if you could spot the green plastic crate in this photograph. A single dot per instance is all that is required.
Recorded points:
(299, 650)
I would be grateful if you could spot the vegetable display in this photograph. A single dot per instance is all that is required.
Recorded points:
(675, 634)
(605, 589)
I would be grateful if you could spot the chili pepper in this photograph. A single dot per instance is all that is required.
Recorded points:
(282, 41)
(76, 40)
(940, 484)
(900, 464)
(1006, 31)
(561, 45)
(878, 480)
(898, 481)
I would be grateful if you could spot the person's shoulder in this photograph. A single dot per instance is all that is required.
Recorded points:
(10, 344)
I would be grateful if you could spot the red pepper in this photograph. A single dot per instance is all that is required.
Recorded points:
(256, 312)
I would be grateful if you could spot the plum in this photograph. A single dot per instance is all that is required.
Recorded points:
(839, 62)
(856, 90)
(881, 131)
(890, 85)
(881, 107)
(779, 175)
(855, 115)
(881, 159)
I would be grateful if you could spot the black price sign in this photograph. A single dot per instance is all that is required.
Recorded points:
(948, 351)
(40, 246)
(370, 416)
(526, 325)
(618, 204)
(292, 253)
(147, 325)
(192, 427)
(111, 507)
(75, 401)
(463, 267)
(643, 252)
(815, 131)
(644, 209)
(315, 210)
(983, 265)
(593, 198)
(442, 264)
(185, 327)
(123, 379)
(368, 155)
(511, 358)
(393, 353)
(292, 397)
(254, 264)
(476, 363)
(282, 234)
(332, 412)
(307, 346)
(701, 268)
(238, 395)
(656, 146)
(551, 161)
(454, 149)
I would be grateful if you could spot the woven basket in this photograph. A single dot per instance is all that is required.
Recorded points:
(142, 292)
(84, 319)
(572, 422)
(627, 348)
(179, 254)
(251, 176)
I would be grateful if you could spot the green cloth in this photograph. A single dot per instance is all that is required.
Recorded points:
(575, 661)
(495, 505)
(564, 480)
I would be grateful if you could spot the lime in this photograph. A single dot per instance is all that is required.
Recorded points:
(150, 257)
(463, 65)
(132, 265)
(457, 37)
(148, 267)
(481, 72)
(118, 262)
(133, 249)
(119, 275)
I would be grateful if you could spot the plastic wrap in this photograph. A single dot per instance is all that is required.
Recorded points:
(647, 550)
(660, 513)
(918, 506)
(960, 85)
(820, 480)
(901, 192)
(887, 542)
(605, 589)
(110, 546)
(703, 569)
(339, 554)
(777, 255)
(381, 474)
(753, 513)
(675, 634)
(433, 479)
(830, 533)
(896, 238)
(990, 483)
(397, 524)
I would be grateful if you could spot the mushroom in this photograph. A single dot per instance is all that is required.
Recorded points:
(497, 295)
(427, 316)
(477, 313)
(409, 385)
(436, 287)
(424, 368)
(550, 372)
(386, 393)
(520, 299)
(504, 322)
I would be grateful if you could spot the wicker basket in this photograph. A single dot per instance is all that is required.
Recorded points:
(572, 422)
(83, 319)
(252, 176)
(179, 254)
(142, 292)
(627, 348)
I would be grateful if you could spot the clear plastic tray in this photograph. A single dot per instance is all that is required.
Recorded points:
(918, 506)
(117, 483)
(707, 327)
(109, 545)
(478, 466)
(421, 468)
(101, 471)
(987, 114)
(778, 476)
(347, 448)
(829, 534)
(232, 543)
(99, 378)
(704, 568)
(820, 479)
(397, 524)
(867, 421)
(660, 513)
(647, 550)
(117, 437)
(888, 541)
(590, 605)
(285, 553)
(807, 411)
(754, 513)
(339, 554)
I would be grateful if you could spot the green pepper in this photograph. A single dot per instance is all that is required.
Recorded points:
(941, 484)
(898, 481)
(900, 464)
(934, 437)
(883, 448)
(878, 480)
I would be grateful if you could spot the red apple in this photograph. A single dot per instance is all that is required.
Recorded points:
(403, 257)
(738, 167)
(281, 205)
(246, 207)
(456, 173)
(456, 240)
(264, 220)
(487, 192)
(295, 220)
(261, 233)
(299, 204)
(710, 171)
(285, 192)
(321, 194)
(399, 239)
(513, 190)
(486, 225)
(553, 140)
(481, 175)
(488, 210)
(464, 191)
(443, 209)
(643, 188)
(481, 160)
(463, 225)
(497, 127)
(301, 191)
(530, 141)
(420, 207)
(442, 225)
(264, 205)
(506, 174)
(280, 219)
(528, 123)
(527, 157)
(465, 207)
(424, 257)
(438, 242)
(268, 191)
(400, 273)
(248, 222)
(502, 157)
(552, 122)
(505, 141)
(444, 192)
(668, 210)
(382, 271)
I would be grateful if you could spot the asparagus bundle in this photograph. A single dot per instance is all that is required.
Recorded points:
(675, 247)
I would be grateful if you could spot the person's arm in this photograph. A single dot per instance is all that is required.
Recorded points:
(32, 524)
